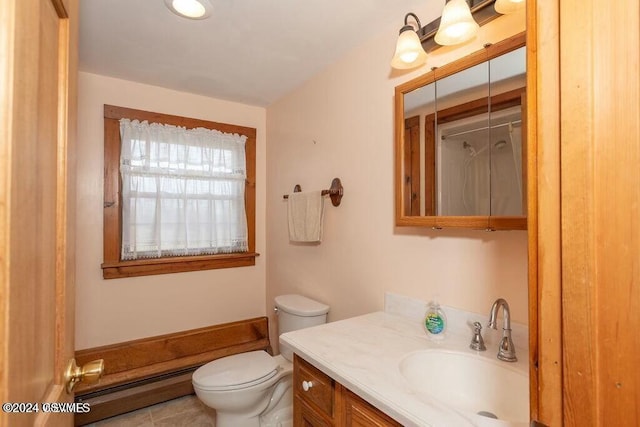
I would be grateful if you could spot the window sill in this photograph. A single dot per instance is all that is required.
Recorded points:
(148, 267)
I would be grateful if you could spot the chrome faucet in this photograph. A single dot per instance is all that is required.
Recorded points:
(506, 350)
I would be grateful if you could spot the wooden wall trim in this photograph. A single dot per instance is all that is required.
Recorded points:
(544, 230)
(150, 357)
(116, 113)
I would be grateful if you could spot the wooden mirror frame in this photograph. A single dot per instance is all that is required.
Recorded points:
(437, 222)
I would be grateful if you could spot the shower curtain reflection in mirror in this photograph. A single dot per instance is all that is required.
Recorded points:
(482, 165)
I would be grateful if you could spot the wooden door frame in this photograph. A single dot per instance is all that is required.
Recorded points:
(66, 201)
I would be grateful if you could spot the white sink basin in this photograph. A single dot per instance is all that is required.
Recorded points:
(470, 384)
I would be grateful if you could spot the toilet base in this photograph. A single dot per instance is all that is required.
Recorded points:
(282, 414)
(237, 420)
(279, 416)
(276, 411)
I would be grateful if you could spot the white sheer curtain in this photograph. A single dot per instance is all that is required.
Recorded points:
(182, 191)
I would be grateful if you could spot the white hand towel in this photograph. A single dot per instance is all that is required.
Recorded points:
(305, 211)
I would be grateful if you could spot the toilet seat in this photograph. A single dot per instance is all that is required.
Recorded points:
(236, 372)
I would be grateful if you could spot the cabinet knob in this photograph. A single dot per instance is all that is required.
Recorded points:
(306, 385)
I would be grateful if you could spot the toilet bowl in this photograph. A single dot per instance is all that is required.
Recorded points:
(242, 404)
(253, 389)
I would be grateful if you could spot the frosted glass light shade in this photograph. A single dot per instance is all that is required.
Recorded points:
(457, 24)
(509, 6)
(409, 51)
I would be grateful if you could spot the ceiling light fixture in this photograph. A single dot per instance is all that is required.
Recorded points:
(192, 9)
(459, 23)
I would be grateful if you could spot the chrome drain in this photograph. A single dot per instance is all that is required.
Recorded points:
(488, 414)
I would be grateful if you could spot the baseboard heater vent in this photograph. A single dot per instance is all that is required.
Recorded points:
(152, 370)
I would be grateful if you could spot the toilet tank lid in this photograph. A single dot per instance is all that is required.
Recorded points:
(300, 306)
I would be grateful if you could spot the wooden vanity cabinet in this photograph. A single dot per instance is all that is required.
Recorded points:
(313, 395)
(320, 401)
(359, 413)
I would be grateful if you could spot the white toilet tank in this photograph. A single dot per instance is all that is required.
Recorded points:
(298, 312)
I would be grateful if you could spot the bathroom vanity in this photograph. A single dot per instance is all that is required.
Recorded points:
(318, 400)
(380, 369)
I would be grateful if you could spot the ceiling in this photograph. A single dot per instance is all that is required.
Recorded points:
(247, 51)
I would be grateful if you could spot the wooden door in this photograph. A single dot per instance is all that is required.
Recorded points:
(37, 127)
(586, 246)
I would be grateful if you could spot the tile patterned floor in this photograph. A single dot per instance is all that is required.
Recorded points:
(184, 411)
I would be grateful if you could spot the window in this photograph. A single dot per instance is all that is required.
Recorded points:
(179, 194)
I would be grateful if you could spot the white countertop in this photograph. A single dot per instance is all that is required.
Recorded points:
(363, 354)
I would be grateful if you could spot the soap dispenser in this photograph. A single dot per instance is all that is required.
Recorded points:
(435, 321)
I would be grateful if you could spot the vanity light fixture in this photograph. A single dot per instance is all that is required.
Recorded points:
(409, 50)
(192, 9)
(456, 25)
(459, 22)
(509, 6)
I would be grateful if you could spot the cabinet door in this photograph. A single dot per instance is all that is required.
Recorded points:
(305, 416)
(359, 413)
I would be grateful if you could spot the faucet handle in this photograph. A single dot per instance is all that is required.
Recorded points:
(477, 343)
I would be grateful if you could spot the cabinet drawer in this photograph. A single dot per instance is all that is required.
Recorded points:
(313, 386)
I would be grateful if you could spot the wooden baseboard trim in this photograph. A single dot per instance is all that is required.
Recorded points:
(144, 372)
(136, 360)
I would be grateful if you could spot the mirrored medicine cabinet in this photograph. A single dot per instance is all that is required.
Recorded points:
(460, 142)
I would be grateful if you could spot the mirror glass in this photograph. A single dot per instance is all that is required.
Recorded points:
(462, 155)
(462, 140)
(507, 140)
(419, 104)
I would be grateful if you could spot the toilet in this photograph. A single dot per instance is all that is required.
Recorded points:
(253, 389)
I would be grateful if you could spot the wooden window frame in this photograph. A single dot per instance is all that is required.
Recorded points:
(113, 267)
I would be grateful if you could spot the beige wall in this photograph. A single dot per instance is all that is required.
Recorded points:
(109, 311)
(340, 124)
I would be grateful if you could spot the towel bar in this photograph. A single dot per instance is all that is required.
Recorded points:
(335, 192)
